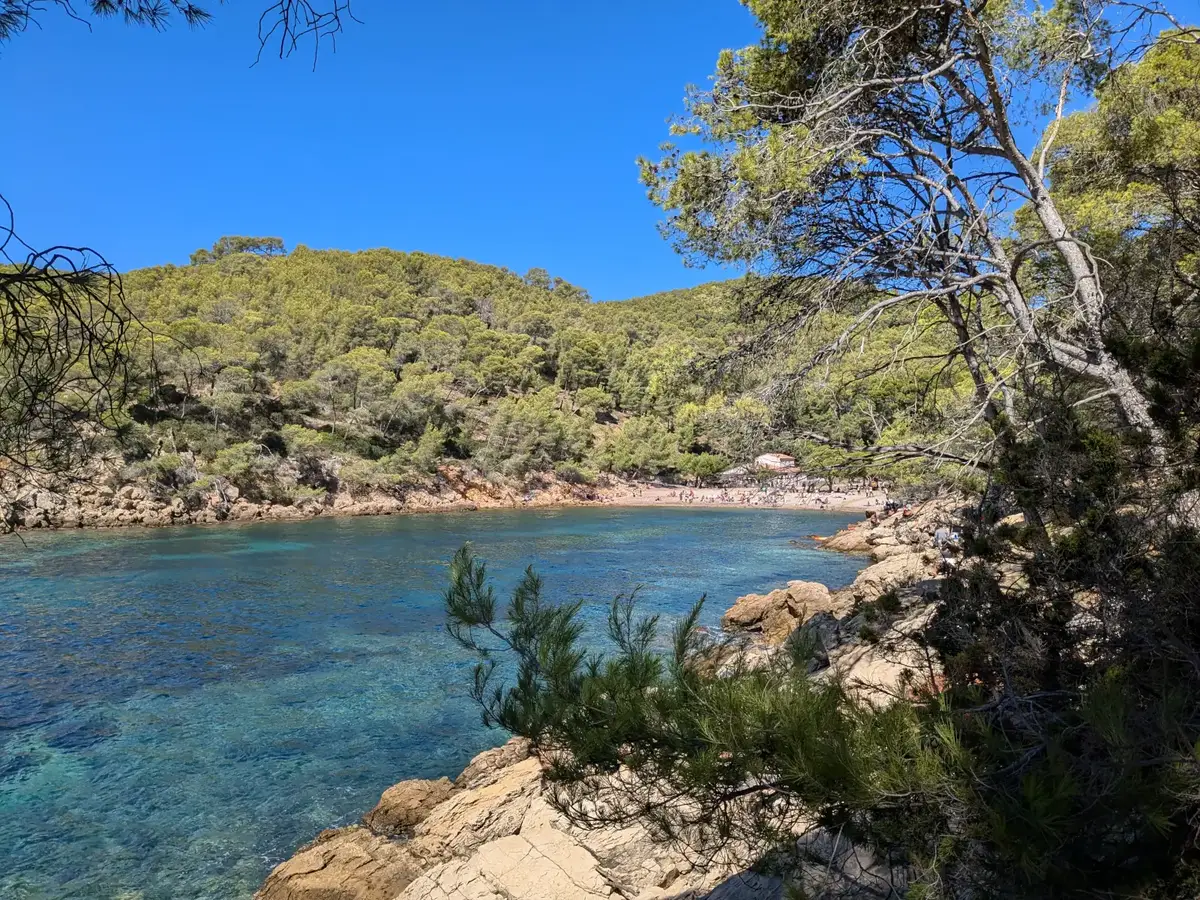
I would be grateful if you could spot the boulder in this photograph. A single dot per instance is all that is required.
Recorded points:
(807, 598)
(776, 615)
(407, 804)
(849, 540)
(895, 571)
(244, 511)
(887, 546)
(487, 766)
(343, 864)
(764, 614)
(892, 666)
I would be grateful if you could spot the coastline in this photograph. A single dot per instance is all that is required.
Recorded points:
(134, 505)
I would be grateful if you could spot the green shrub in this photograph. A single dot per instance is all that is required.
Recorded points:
(570, 473)
(166, 469)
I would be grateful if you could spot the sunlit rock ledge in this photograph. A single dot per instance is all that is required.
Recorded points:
(496, 836)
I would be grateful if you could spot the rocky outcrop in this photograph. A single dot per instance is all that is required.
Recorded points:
(900, 545)
(893, 664)
(536, 864)
(901, 532)
(895, 571)
(495, 837)
(489, 765)
(849, 540)
(475, 816)
(775, 615)
(865, 633)
(100, 500)
(343, 864)
(406, 805)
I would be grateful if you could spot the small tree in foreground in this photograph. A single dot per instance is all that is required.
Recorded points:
(1058, 756)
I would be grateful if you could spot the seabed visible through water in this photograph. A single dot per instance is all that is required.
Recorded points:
(181, 708)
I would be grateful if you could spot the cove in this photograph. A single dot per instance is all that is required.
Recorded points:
(181, 708)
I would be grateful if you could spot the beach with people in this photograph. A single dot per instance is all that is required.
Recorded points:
(843, 498)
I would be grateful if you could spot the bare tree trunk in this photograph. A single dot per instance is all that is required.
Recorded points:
(1088, 294)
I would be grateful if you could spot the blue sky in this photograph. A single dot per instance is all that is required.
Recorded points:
(504, 132)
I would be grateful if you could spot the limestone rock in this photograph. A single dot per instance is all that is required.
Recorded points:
(343, 864)
(407, 804)
(477, 815)
(893, 572)
(777, 614)
(487, 766)
(540, 864)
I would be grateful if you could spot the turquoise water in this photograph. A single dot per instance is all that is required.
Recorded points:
(180, 709)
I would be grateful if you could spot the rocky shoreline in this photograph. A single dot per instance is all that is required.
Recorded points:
(864, 632)
(96, 503)
(493, 833)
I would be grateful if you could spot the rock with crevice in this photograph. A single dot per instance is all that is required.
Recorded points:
(776, 615)
(894, 572)
(539, 864)
(343, 864)
(407, 804)
(477, 815)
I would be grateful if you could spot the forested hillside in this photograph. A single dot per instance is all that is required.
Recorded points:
(290, 374)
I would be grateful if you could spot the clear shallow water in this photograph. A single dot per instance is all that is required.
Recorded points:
(180, 709)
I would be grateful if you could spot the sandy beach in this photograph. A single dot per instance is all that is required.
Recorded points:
(741, 498)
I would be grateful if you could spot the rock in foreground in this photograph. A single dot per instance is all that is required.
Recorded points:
(407, 804)
(494, 837)
(776, 615)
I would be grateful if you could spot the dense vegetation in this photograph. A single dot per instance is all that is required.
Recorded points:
(394, 362)
(1054, 748)
(289, 374)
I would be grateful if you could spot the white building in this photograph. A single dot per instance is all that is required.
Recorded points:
(775, 461)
